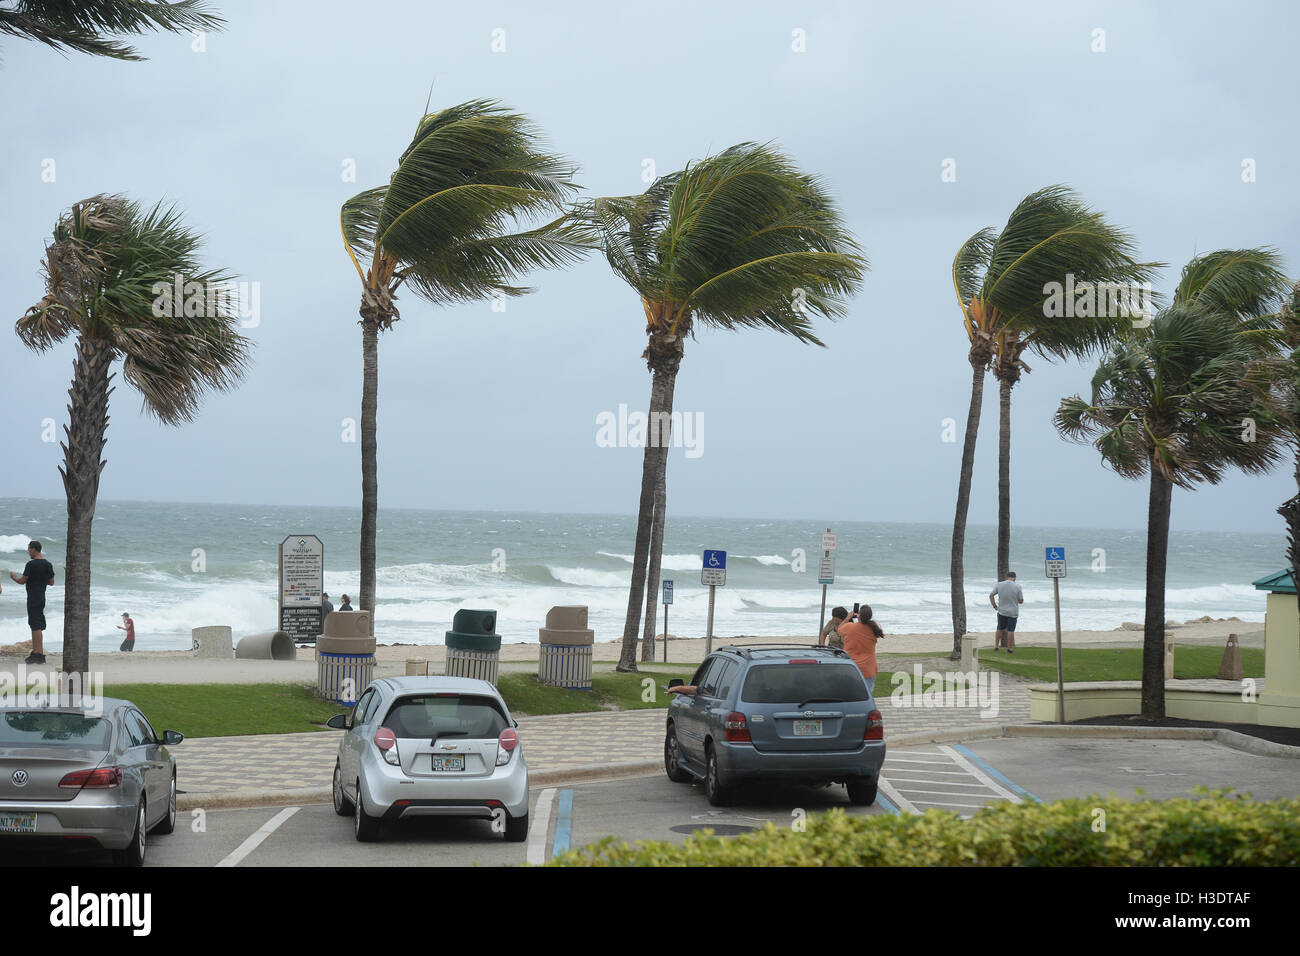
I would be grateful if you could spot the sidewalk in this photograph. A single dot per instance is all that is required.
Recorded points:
(269, 768)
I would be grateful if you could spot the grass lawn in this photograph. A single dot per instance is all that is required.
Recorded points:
(228, 710)
(1100, 664)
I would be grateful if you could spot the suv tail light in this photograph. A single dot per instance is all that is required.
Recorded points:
(802, 660)
(104, 778)
(386, 741)
(735, 729)
(875, 726)
(506, 745)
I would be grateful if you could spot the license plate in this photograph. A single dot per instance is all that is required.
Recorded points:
(440, 764)
(17, 822)
(807, 728)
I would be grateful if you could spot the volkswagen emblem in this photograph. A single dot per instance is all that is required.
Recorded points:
(20, 778)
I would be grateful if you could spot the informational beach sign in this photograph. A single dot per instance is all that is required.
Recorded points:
(668, 592)
(714, 573)
(1055, 562)
(302, 583)
(828, 541)
(826, 573)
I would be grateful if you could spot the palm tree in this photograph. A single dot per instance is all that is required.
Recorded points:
(738, 240)
(109, 273)
(1003, 282)
(441, 226)
(1183, 401)
(89, 25)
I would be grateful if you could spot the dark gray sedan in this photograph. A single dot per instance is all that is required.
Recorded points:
(91, 774)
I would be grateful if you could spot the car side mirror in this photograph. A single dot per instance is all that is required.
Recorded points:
(172, 737)
(339, 722)
(676, 682)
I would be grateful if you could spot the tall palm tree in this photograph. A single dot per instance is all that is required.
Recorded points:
(104, 272)
(442, 226)
(1183, 401)
(742, 239)
(88, 26)
(1002, 280)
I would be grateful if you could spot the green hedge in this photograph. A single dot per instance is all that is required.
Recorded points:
(1219, 829)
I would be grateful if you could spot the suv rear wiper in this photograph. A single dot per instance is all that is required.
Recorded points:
(820, 700)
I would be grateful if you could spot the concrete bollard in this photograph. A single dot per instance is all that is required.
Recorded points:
(473, 646)
(969, 654)
(345, 657)
(566, 645)
(213, 643)
(271, 646)
(1169, 656)
(417, 667)
(1231, 668)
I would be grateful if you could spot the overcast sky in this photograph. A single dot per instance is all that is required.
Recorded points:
(498, 410)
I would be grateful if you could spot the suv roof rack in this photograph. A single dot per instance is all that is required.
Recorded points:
(744, 649)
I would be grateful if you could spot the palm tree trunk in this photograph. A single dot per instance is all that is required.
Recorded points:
(656, 558)
(1004, 477)
(958, 566)
(1153, 643)
(82, 465)
(369, 446)
(641, 550)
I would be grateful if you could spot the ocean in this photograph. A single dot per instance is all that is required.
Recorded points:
(179, 566)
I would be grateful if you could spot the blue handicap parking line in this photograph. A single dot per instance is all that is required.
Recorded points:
(993, 772)
(886, 805)
(563, 823)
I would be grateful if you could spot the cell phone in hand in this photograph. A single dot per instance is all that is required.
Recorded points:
(855, 607)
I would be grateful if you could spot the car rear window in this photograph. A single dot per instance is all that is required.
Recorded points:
(452, 715)
(795, 683)
(44, 728)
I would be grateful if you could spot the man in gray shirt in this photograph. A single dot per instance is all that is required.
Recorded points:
(1009, 598)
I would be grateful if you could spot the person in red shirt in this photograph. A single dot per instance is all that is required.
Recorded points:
(127, 625)
(860, 634)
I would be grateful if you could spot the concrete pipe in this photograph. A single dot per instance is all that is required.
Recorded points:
(271, 646)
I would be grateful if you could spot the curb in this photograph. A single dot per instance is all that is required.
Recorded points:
(242, 799)
(1229, 738)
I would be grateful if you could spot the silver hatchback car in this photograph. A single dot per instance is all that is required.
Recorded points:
(430, 746)
(796, 713)
(91, 772)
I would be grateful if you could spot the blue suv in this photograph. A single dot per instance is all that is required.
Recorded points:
(800, 714)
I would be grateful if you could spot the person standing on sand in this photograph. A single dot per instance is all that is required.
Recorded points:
(37, 576)
(830, 633)
(326, 609)
(127, 625)
(1009, 598)
(347, 604)
(860, 634)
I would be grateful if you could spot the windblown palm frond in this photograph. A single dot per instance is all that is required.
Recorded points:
(1245, 283)
(88, 26)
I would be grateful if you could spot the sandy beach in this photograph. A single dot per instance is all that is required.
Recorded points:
(181, 667)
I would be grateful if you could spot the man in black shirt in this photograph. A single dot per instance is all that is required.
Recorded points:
(38, 575)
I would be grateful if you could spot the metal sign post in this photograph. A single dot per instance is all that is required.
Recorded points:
(668, 599)
(713, 574)
(1054, 565)
(825, 576)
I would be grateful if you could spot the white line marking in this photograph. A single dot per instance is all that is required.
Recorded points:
(944, 793)
(980, 775)
(262, 832)
(946, 783)
(947, 773)
(539, 826)
(947, 763)
(897, 798)
(936, 803)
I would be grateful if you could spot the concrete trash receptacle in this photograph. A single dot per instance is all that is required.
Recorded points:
(271, 646)
(473, 646)
(345, 657)
(214, 643)
(566, 645)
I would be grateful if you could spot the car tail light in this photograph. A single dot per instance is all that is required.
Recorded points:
(735, 729)
(104, 778)
(386, 741)
(506, 745)
(802, 660)
(875, 726)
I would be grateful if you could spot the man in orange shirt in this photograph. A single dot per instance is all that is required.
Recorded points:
(860, 634)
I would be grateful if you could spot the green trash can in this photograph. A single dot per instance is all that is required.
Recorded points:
(473, 646)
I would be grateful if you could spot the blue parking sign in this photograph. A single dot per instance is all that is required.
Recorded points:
(715, 559)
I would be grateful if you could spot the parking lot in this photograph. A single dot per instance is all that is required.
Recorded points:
(956, 777)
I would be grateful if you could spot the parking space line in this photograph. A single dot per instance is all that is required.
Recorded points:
(262, 832)
(905, 760)
(898, 799)
(938, 793)
(563, 820)
(936, 803)
(539, 827)
(886, 805)
(993, 772)
(984, 778)
(946, 783)
(948, 773)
